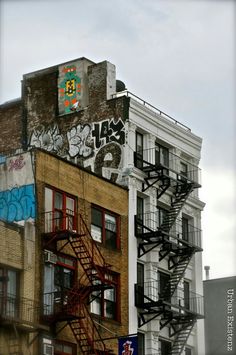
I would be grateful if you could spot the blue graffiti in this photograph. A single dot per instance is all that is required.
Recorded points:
(2, 159)
(17, 204)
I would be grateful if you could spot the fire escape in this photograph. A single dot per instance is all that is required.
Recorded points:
(19, 315)
(71, 307)
(168, 301)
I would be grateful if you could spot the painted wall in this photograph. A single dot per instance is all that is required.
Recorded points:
(97, 146)
(70, 86)
(17, 195)
(220, 316)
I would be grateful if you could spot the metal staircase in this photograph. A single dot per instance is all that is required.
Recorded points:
(94, 278)
(176, 276)
(86, 333)
(180, 195)
(165, 302)
(182, 334)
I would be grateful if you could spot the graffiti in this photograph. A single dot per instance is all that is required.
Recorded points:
(77, 139)
(2, 159)
(108, 131)
(107, 161)
(97, 146)
(16, 164)
(69, 88)
(49, 139)
(17, 204)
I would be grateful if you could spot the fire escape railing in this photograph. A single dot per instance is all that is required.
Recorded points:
(148, 296)
(20, 310)
(151, 234)
(147, 161)
(69, 227)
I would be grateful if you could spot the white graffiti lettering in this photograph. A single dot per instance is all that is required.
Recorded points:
(77, 139)
(49, 139)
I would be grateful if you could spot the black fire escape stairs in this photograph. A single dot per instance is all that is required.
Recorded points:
(75, 312)
(179, 254)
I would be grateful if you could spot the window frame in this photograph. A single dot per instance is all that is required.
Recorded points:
(165, 351)
(102, 300)
(65, 213)
(58, 294)
(188, 351)
(139, 152)
(141, 343)
(64, 343)
(161, 215)
(9, 300)
(164, 278)
(162, 155)
(186, 290)
(103, 228)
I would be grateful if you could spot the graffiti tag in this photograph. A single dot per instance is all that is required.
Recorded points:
(108, 131)
(77, 139)
(49, 139)
(16, 164)
(17, 204)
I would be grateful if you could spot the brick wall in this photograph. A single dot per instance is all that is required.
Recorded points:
(10, 126)
(89, 189)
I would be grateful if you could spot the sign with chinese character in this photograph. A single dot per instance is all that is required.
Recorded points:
(128, 346)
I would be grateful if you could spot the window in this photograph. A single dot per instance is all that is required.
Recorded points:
(139, 296)
(162, 155)
(9, 287)
(139, 150)
(188, 231)
(58, 280)
(64, 348)
(161, 215)
(188, 351)
(139, 214)
(183, 171)
(185, 229)
(141, 344)
(105, 303)
(164, 286)
(60, 209)
(104, 227)
(186, 295)
(165, 347)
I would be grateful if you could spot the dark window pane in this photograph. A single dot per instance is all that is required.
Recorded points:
(139, 150)
(110, 239)
(186, 295)
(58, 200)
(96, 217)
(140, 273)
(162, 155)
(165, 347)
(185, 229)
(141, 344)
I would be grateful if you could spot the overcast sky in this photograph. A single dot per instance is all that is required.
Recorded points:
(177, 55)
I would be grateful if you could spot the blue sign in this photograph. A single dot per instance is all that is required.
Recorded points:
(128, 345)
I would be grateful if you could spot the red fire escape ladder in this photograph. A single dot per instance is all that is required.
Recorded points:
(86, 333)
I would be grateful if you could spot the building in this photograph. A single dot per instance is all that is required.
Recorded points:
(220, 315)
(80, 118)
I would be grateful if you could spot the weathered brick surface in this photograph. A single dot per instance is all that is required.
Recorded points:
(11, 245)
(89, 189)
(10, 126)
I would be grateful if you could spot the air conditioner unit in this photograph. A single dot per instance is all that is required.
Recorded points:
(48, 349)
(50, 257)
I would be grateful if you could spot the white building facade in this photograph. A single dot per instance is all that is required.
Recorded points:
(165, 263)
